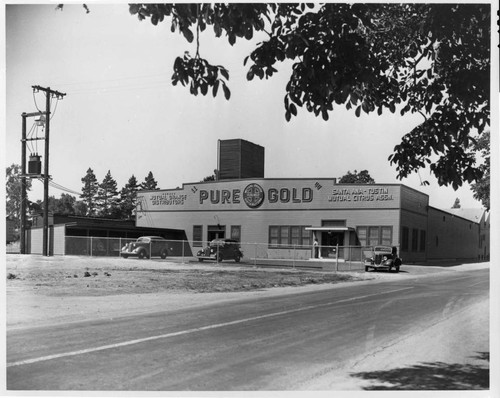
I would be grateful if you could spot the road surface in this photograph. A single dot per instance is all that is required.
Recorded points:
(272, 343)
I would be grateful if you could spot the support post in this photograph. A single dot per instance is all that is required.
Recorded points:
(46, 177)
(23, 187)
(48, 93)
(183, 243)
(337, 257)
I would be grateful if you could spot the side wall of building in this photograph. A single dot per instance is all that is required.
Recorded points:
(35, 241)
(58, 240)
(451, 237)
(414, 223)
(484, 238)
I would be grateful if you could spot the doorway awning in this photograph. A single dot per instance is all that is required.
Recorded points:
(329, 229)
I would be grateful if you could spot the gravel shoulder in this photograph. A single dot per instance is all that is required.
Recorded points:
(47, 290)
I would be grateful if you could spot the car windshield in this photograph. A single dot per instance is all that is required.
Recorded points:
(144, 240)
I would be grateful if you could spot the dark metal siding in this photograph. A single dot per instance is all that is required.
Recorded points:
(240, 159)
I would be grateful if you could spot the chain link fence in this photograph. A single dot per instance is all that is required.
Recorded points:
(338, 258)
(13, 248)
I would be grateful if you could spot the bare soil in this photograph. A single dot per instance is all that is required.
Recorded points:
(46, 290)
(104, 277)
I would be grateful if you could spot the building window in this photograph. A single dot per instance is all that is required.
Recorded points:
(236, 232)
(386, 236)
(295, 235)
(414, 240)
(306, 237)
(197, 235)
(422, 240)
(405, 238)
(361, 232)
(284, 235)
(333, 223)
(371, 236)
(273, 236)
(289, 236)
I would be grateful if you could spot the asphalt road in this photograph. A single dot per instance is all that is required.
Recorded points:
(272, 343)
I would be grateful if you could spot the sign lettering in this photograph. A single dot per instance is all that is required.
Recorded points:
(360, 195)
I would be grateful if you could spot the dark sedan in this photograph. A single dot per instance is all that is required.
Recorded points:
(146, 247)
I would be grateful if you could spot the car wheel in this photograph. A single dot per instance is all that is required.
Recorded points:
(397, 268)
(218, 258)
(141, 255)
(367, 269)
(237, 259)
(200, 260)
(164, 254)
(125, 256)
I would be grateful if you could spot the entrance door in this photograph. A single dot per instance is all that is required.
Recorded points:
(216, 232)
(329, 242)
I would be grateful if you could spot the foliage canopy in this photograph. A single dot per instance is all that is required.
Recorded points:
(13, 188)
(428, 58)
(363, 177)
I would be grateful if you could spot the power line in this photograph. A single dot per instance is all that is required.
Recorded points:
(60, 187)
(34, 100)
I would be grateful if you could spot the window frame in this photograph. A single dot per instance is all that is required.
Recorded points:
(197, 238)
(285, 236)
(235, 235)
(363, 235)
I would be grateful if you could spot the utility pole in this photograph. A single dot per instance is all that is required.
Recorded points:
(48, 94)
(23, 187)
(24, 196)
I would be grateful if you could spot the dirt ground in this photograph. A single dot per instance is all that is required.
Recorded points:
(46, 290)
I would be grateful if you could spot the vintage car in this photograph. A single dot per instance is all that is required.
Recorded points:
(146, 247)
(221, 249)
(383, 258)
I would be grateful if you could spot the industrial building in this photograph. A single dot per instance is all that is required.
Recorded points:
(288, 214)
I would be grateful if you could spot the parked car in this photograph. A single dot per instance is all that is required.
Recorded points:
(221, 249)
(383, 258)
(146, 247)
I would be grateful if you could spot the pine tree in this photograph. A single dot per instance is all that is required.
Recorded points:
(89, 192)
(128, 198)
(107, 195)
(149, 183)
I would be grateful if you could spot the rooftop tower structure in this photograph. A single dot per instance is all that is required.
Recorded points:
(239, 159)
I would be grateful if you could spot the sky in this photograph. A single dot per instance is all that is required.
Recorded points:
(122, 114)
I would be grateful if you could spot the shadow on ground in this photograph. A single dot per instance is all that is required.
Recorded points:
(431, 376)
